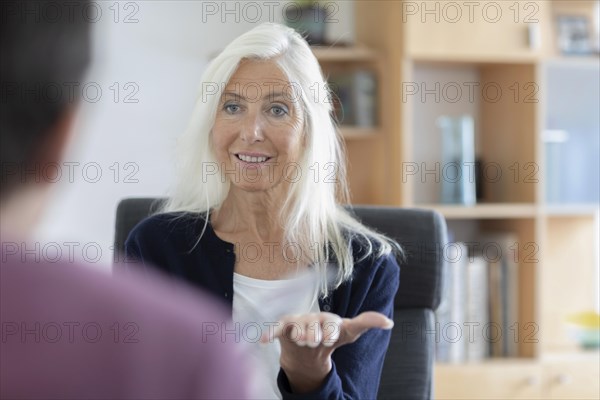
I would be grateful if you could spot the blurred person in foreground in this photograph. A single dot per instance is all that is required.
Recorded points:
(257, 217)
(69, 332)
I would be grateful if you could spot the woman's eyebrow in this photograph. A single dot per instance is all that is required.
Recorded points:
(238, 96)
(233, 95)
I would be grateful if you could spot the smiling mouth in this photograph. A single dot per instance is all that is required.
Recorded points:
(251, 159)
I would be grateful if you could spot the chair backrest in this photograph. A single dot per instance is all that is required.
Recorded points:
(408, 368)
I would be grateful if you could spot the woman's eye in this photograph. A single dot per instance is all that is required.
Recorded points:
(278, 111)
(232, 108)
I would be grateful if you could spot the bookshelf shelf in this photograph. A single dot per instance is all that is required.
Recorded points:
(484, 211)
(574, 61)
(337, 54)
(490, 363)
(356, 133)
(561, 356)
(571, 210)
(454, 59)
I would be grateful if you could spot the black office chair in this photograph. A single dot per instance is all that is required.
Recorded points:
(407, 371)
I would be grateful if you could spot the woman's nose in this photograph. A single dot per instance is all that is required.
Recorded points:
(252, 128)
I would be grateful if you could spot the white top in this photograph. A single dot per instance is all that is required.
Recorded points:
(257, 306)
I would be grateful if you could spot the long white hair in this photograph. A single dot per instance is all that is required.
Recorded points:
(312, 216)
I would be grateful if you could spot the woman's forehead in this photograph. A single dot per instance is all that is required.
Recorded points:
(264, 74)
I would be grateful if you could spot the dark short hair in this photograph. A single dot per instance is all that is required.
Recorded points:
(44, 48)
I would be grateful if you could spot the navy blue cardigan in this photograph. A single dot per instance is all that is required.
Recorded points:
(166, 241)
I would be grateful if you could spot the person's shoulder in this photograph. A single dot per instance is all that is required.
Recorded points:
(375, 273)
(135, 291)
(370, 254)
(367, 247)
(169, 222)
(139, 321)
(152, 304)
(165, 227)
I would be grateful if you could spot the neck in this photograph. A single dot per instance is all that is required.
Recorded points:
(254, 214)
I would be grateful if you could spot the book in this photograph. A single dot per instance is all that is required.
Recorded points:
(442, 317)
(364, 99)
(341, 87)
(478, 313)
(477, 308)
(454, 331)
(355, 97)
(451, 335)
(503, 293)
(495, 330)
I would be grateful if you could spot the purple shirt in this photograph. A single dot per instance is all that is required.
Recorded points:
(71, 332)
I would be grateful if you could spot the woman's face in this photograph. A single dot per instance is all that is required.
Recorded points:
(258, 130)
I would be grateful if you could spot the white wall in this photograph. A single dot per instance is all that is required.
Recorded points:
(163, 54)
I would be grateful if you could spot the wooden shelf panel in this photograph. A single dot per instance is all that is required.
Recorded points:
(569, 376)
(335, 54)
(494, 379)
(571, 210)
(357, 133)
(488, 362)
(484, 211)
(450, 58)
(573, 61)
(576, 355)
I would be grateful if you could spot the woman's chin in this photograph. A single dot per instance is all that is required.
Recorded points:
(255, 187)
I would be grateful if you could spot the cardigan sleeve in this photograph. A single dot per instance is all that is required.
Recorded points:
(356, 367)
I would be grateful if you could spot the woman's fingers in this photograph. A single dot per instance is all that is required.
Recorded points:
(309, 330)
(331, 331)
(314, 334)
(278, 331)
(324, 328)
(353, 328)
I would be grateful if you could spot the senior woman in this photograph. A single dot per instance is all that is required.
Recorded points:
(256, 214)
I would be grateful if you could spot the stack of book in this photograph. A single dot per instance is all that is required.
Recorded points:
(478, 316)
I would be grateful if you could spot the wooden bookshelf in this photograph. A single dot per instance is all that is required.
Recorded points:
(409, 50)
